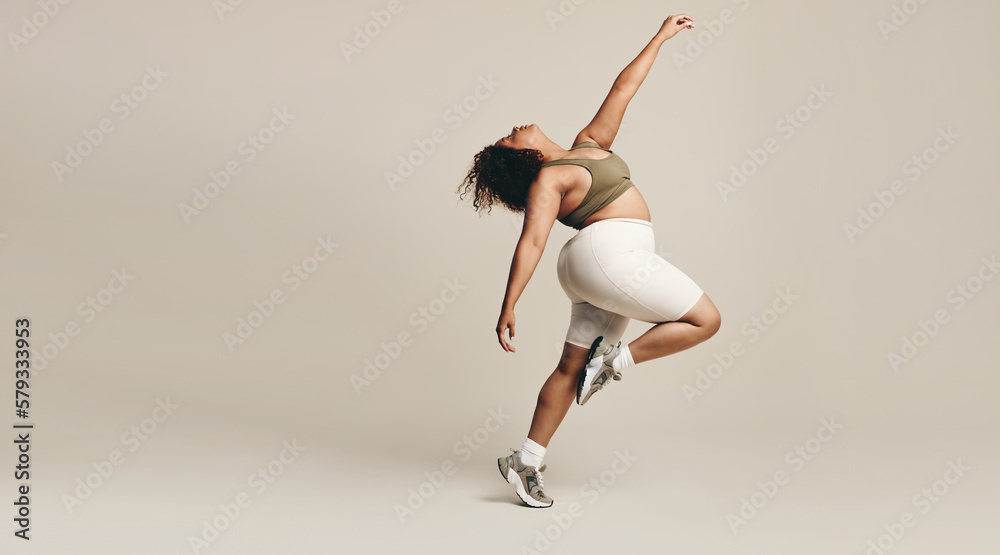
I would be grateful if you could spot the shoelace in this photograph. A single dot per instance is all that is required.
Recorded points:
(538, 477)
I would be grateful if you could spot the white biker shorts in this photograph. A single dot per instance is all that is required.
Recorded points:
(611, 273)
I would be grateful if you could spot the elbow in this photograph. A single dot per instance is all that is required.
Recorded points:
(624, 88)
(534, 243)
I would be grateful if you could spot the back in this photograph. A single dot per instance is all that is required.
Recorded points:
(610, 177)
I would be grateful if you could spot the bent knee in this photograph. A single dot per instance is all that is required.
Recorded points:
(705, 316)
(712, 323)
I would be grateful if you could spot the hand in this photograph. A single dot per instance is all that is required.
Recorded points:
(506, 322)
(673, 25)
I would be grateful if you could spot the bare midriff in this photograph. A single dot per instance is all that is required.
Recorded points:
(629, 205)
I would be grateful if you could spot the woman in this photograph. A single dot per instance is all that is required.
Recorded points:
(608, 269)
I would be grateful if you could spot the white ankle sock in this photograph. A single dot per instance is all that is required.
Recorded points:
(623, 360)
(532, 453)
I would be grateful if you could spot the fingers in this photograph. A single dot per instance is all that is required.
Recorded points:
(673, 24)
(685, 20)
(503, 342)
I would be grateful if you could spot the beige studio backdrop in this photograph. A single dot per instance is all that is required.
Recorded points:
(261, 321)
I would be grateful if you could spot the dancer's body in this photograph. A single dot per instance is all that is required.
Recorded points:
(608, 269)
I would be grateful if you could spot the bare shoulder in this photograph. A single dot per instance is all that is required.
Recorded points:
(551, 180)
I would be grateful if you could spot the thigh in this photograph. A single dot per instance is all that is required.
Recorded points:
(644, 286)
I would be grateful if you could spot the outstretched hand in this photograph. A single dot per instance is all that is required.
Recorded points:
(506, 322)
(673, 25)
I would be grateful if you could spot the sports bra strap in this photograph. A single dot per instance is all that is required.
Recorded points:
(610, 178)
(576, 161)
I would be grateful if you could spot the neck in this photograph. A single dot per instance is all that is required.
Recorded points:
(551, 151)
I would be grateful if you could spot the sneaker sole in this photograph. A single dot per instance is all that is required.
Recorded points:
(512, 478)
(580, 400)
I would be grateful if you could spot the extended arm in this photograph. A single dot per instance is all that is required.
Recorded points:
(604, 127)
(539, 216)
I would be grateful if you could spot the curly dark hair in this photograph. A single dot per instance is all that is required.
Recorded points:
(501, 175)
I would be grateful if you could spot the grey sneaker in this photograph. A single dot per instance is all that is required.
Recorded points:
(527, 480)
(598, 370)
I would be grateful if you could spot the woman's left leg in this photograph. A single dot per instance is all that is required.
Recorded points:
(523, 467)
(557, 394)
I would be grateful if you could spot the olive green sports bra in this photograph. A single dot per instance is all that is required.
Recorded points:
(610, 177)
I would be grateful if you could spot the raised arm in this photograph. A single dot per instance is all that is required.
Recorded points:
(604, 127)
(539, 216)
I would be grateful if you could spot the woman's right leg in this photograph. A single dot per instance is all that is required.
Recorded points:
(630, 278)
(667, 338)
(612, 265)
